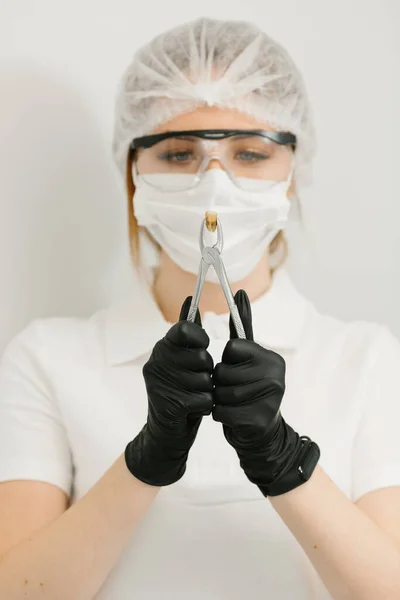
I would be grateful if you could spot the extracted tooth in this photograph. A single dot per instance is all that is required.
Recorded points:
(211, 220)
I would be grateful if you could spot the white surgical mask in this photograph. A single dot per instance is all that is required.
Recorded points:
(250, 219)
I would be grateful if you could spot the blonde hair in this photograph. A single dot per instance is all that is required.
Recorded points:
(278, 247)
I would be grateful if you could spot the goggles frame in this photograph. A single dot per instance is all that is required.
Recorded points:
(280, 137)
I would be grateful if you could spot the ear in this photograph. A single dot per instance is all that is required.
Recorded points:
(244, 307)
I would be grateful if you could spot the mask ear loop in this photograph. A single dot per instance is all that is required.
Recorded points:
(135, 173)
(291, 172)
(289, 179)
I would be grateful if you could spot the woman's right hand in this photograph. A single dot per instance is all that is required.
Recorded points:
(179, 389)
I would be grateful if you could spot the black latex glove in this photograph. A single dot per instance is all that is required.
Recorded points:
(249, 387)
(179, 388)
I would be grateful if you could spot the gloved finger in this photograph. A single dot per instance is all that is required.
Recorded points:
(185, 311)
(247, 393)
(200, 403)
(194, 360)
(188, 335)
(181, 358)
(233, 416)
(226, 375)
(244, 307)
(176, 383)
(243, 351)
(190, 383)
(238, 351)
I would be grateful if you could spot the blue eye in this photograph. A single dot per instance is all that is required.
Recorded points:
(176, 156)
(250, 156)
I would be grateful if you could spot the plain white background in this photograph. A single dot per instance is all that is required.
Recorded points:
(63, 234)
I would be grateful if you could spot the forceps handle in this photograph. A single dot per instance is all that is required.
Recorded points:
(215, 260)
(194, 305)
(226, 288)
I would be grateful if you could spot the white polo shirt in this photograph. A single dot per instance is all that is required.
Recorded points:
(72, 395)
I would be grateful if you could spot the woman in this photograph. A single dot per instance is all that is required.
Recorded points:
(272, 474)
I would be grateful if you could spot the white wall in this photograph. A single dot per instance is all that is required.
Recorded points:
(62, 221)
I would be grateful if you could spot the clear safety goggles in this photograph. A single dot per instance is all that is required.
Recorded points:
(246, 155)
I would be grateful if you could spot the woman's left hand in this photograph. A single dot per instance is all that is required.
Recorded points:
(249, 387)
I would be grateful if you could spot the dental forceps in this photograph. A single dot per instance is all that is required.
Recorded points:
(211, 255)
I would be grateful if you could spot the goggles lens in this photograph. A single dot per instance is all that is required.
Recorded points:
(244, 157)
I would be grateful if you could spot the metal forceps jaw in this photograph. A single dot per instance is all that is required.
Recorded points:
(211, 255)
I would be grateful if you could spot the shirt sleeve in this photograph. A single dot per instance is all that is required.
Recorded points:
(33, 441)
(376, 451)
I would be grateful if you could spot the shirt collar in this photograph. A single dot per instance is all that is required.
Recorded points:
(135, 324)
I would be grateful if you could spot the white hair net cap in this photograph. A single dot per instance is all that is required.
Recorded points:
(230, 64)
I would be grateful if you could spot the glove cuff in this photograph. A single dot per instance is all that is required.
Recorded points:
(299, 471)
(151, 463)
(283, 462)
